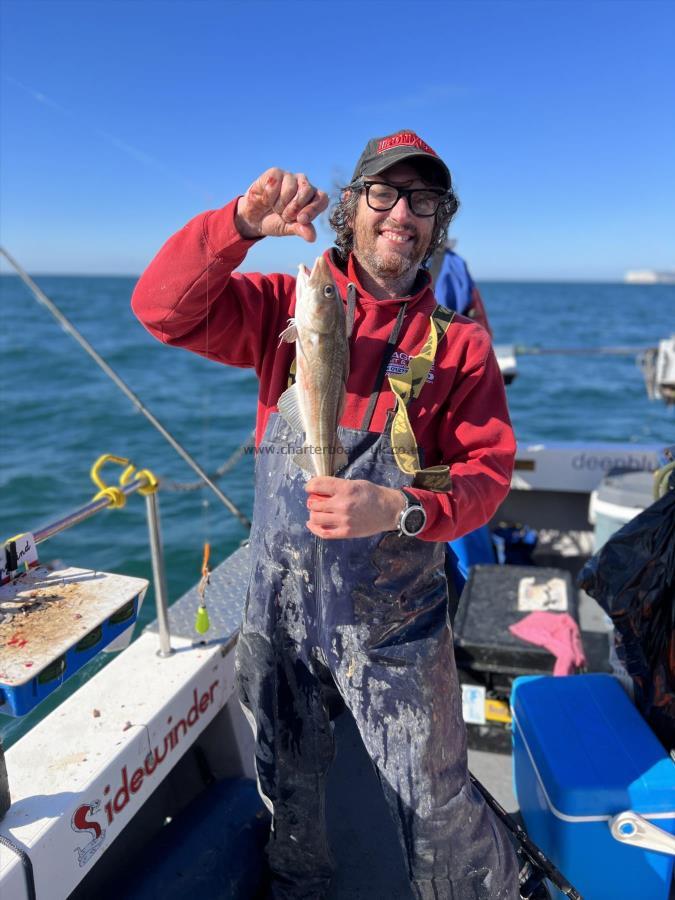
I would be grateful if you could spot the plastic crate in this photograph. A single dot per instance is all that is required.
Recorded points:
(488, 656)
(53, 622)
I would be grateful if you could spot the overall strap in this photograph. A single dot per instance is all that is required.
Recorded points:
(407, 387)
(351, 308)
(379, 380)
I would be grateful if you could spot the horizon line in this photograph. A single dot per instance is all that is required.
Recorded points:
(477, 279)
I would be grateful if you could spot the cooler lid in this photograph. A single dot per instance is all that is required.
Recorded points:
(495, 597)
(593, 752)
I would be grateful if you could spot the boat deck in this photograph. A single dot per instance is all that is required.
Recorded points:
(369, 862)
(363, 837)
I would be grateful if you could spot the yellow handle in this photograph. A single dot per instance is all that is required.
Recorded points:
(114, 494)
(100, 462)
(131, 474)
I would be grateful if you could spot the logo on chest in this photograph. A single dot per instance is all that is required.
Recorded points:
(399, 364)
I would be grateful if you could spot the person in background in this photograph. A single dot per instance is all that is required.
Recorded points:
(348, 590)
(455, 288)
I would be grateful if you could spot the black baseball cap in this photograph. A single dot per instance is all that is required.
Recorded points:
(382, 152)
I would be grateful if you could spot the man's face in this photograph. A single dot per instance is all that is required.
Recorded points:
(392, 244)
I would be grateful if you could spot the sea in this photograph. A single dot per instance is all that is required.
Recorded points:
(60, 413)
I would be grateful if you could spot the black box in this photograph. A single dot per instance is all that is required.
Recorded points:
(488, 656)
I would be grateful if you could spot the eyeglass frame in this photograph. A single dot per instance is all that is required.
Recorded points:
(362, 184)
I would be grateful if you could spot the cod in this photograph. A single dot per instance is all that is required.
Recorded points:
(314, 404)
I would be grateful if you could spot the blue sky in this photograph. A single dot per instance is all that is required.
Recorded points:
(121, 120)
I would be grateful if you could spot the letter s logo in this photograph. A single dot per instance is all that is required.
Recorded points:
(80, 822)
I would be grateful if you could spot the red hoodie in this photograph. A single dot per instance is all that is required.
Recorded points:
(190, 296)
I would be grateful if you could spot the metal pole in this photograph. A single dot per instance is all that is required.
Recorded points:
(84, 512)
(158, 574)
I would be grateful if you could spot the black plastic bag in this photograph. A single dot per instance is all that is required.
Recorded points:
(633, 578)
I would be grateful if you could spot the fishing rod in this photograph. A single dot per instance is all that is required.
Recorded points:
(68, 326)
(539, 865)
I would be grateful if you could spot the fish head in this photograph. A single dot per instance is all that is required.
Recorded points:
(318, 303)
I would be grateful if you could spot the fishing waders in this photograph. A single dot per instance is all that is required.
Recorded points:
(374, 612)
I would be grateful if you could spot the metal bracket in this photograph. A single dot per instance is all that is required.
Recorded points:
(630, 828)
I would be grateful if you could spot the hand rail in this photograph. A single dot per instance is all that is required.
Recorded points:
(144, 482)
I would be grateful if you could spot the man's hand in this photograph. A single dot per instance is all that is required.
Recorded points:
(351, 509)
(279, 204)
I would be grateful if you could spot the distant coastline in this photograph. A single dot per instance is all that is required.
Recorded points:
(649, 276)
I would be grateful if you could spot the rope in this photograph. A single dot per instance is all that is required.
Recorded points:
(65, 323)
(27, 865)
(222, 470)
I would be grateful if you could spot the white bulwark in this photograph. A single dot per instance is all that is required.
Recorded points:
(78, 777)
(559, 466)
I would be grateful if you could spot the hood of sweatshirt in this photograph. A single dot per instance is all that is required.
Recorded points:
(422, 300)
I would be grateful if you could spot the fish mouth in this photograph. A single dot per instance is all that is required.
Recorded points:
(320, 271)
(302, 281)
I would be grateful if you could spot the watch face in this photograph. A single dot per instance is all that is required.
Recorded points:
(413, 520)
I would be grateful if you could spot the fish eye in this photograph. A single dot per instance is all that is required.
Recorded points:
(328, 290)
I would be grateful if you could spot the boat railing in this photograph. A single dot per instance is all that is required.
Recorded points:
(131, 481)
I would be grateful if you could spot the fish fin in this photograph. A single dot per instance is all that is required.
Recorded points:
(302, 349)
(289, 408)
(340, 460)
(304, 459)
(290, 334)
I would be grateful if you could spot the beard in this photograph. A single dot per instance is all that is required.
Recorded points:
(387, 262)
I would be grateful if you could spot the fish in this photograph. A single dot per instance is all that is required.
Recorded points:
(314, 405)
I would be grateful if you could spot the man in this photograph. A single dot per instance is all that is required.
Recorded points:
(355, 594)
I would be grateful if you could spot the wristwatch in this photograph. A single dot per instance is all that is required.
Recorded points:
(413, 517)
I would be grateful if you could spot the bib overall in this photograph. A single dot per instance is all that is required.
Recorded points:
(372, 614)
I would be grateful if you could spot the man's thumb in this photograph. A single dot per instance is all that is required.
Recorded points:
(306, 232)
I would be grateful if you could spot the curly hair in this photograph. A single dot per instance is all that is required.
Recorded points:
(343, 212)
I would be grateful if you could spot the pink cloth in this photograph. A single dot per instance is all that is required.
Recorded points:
(556, 632)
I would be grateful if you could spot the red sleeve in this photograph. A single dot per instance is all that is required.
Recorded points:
(478, 445)
(189, 297)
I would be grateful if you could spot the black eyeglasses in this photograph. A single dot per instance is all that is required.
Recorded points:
(423, 202)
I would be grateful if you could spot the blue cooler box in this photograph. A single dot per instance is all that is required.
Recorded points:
(583, 755)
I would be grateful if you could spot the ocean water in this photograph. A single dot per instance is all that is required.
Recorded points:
(60, 412)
